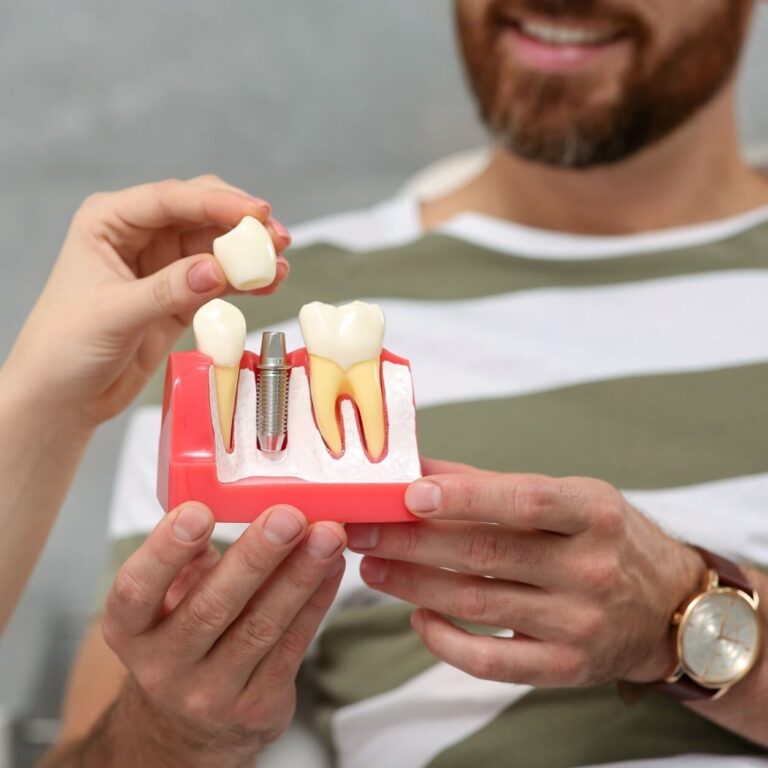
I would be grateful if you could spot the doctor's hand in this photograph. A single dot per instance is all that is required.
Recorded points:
(135, 266)
(213, 645)
(587, 584)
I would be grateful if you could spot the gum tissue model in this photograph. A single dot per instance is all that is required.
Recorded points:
(330, 428)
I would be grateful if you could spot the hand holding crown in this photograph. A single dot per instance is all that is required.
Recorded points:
(135, 266)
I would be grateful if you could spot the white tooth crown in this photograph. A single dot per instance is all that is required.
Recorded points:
(220, 332)
(247, 255)
(350, 334)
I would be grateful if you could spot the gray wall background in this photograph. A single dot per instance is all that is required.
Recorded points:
(318, 106)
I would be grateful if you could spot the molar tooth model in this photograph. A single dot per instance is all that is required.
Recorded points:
(344, 346)
(330, 428)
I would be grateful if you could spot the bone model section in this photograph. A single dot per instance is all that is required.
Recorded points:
(344, 348)
(247, 255)
(220, 333)
(305, 455)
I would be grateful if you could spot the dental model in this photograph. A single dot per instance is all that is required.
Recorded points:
(344, 347)
(247, 255)
(220, 333)
(330, 428)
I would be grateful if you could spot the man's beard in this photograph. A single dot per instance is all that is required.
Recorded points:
(520, 109)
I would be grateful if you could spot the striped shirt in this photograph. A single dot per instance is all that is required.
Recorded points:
(641, 360)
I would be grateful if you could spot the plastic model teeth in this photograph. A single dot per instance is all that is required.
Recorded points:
(344, 349)
(247, 255)
(220, 333)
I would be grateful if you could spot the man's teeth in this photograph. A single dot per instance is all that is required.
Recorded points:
(247, 255)
(344, 348)
(220, 333)
(557, 34)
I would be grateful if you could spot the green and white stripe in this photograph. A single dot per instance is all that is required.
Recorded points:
(641, 360)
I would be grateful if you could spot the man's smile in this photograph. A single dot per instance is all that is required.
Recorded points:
(560, 45)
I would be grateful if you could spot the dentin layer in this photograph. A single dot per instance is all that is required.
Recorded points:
(344, 349)
(220, 333)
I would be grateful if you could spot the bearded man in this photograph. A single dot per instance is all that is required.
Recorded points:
(585, 320)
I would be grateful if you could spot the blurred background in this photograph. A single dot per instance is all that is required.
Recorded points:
(317, 106)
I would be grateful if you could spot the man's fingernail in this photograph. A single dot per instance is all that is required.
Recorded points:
(423, 497)
(203, 277)
(374, 570)
(280, 228)
(322, 542)
(192, 523)
(282, 526)
(363, 536)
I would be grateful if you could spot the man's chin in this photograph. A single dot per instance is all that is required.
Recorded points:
(587, 142)
(568, 154)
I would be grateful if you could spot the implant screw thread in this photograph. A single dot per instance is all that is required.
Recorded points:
(272, 414)
(273, 408)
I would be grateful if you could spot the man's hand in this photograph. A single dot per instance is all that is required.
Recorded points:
(587, 584)
(213, 645)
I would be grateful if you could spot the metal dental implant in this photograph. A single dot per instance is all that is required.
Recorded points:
(272, 416)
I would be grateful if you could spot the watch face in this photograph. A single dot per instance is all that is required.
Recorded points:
(719, 637)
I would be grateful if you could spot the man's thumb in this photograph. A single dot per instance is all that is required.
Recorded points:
(178, 289)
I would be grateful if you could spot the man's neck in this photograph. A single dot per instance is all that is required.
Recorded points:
(696, 174)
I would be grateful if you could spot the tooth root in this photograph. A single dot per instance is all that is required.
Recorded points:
(226, 378)
(364, 386)
(326, 378)
(328, 382)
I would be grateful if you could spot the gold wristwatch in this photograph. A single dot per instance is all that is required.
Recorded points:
(717, 634)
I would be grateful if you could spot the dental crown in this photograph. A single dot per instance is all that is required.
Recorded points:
(348, 334)
(220, 330)
(247, 255)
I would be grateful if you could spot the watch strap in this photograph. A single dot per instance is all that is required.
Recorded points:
(730, 574)
(684, 689)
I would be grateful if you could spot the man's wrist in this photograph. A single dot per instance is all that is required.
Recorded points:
(687, 570)
(153, 736)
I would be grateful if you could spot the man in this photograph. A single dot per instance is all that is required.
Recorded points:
(589, 309)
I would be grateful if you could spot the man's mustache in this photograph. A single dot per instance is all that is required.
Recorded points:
(611, 10)
(571, 8)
